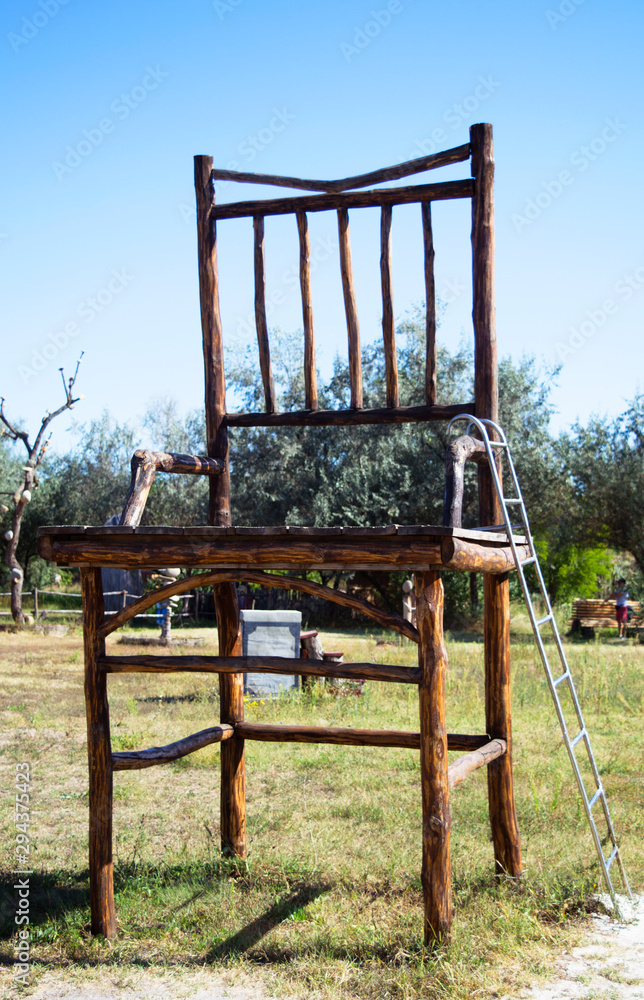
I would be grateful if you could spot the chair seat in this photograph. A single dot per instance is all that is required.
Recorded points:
(401, 547)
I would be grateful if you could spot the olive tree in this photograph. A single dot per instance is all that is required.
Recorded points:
(28, 482)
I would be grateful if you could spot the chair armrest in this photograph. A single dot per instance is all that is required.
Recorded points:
(458, 452)
(146, 464)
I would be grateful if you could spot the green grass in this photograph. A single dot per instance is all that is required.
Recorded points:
(329, 899)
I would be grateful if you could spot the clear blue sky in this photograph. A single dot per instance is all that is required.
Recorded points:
(320, 90)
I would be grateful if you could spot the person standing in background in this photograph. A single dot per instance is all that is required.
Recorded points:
(620, 595)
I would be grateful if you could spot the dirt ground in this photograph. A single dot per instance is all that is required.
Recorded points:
(609, 967)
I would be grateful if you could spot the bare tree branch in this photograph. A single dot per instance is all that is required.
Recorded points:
(15, 434)
(69, 402)
(22, 495)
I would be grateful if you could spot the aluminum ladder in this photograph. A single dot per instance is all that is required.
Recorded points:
(500, 447)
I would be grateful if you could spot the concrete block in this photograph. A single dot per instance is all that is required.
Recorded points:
(270, 633)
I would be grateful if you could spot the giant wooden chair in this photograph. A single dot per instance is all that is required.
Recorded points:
(227, 555)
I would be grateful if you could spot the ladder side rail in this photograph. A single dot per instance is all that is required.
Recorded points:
(571, 686)
(482, 425)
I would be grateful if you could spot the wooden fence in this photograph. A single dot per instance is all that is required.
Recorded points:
(41, 612)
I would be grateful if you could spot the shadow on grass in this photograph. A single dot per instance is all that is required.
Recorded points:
(50, 895)
(248, 936)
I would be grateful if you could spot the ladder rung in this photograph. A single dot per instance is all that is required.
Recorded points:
(508, 505)
(596, 796)
(611, 857)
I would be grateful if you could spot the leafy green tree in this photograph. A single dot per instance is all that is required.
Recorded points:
(572, 570)
(377, 474)
(605, 462)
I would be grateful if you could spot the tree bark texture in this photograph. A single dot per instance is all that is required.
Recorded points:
(213, 347)
(100, 760)
(231, 697)
(432, 659)
(498, 716)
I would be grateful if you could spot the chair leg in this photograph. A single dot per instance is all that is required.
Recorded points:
(432, 657)
(498, 715)
(231, 697)
(101, 876)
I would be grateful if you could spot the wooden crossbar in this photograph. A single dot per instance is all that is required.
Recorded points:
(345, 418)
(456, 155)
(459, 770)
(377, 197)
(259, 664)
(267, 732)
(483, 753)
(134, 760)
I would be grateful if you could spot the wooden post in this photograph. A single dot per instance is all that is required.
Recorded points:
(505, 831)
(498, 716)
(213, 348)
(432, 659)
(231, 686)
(231, 698)
(35, 604)
(486, 389)
(101, 886)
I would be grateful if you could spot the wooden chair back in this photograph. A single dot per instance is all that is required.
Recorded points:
(340, 196)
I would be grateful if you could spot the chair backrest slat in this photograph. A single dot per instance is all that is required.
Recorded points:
(351, 310)
(260, 316)
(388, 335)
(310, 374)
(430, 306)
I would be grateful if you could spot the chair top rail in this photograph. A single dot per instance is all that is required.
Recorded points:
(456, 155)
(377, 197)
